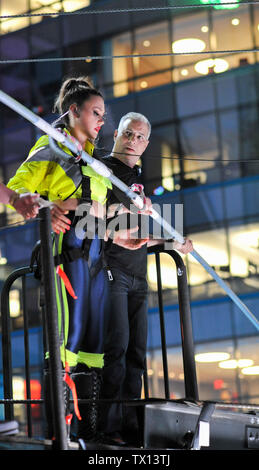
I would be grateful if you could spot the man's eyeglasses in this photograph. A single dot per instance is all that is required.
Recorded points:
(131, 135)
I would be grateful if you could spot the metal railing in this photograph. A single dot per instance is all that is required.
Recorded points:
(50, 327)
(190, 378)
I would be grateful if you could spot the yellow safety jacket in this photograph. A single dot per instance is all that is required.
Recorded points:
(45, 173)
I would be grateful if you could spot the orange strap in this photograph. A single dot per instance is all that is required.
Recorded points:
(71, 384)
(66, 281)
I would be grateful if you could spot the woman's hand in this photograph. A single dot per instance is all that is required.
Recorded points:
(59, 222)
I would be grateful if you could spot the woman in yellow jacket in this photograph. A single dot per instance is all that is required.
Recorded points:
(81, 324)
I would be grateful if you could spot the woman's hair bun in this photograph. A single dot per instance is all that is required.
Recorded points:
(74, 89)
(73, 84)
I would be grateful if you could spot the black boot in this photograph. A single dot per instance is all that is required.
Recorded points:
(49, 432)
(88, 383)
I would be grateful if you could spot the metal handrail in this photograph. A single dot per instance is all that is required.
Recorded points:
(190, 377)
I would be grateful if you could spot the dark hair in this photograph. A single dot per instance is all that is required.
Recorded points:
(74, 90)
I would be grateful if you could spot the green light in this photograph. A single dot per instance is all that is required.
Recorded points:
(219, 4)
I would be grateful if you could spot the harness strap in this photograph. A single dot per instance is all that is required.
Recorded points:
(71, 255)
(86, 190)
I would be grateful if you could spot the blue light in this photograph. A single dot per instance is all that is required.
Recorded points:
(158, 191)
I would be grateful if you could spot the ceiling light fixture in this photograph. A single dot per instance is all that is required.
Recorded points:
(187, 45)
(235, 21)
(250, 370)
(212, 357)
(218, 66)
(144, 84)
(234, 364)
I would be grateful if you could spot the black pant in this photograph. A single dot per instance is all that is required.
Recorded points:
(124, 349)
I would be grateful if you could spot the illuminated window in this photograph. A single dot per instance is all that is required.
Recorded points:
(16, 7)
(118, 71)
(244, 253)
(13, 8)
(189, 36)
(15, 307)
(195, 146)
(153, 39)
(232, 30)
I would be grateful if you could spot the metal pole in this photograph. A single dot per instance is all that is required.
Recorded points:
(162, 326)
(145, 381)
(6, 340)
(27, 356)
(190, 377)
(56, 379)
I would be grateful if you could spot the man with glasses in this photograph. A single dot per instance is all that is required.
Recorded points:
(126, 332)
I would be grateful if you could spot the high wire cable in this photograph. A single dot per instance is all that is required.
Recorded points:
(183, 158)
(129, 10)
(127, 56)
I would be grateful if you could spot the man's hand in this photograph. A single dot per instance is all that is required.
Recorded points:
(26, 205)
(119, 209)
(147, 208)
(125, 239)
(185, 248)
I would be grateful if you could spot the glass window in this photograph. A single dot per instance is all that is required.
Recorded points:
(231, 29)
(16, 81)
(212, 246)
(161, 162)
(118, 70)
(13, 8)
(44, 6)
(215, 382)
(152, 39)
(195, 146)
(17, 144)
(230, 144)
(246, 366)
(157, 105)
(244, 255)
(194, 97)
(190, 34)
(256, 28)
(175, 373)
